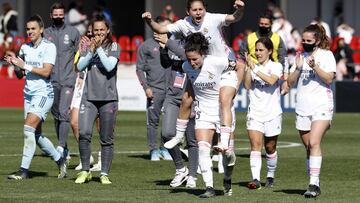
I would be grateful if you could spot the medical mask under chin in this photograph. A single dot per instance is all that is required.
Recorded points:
(58, 21)
(308, 47)
(264, 30)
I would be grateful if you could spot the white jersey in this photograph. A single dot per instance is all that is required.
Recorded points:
(211, 28)
(206, 83)
(312, 93)
(45, 52)
(265, 98)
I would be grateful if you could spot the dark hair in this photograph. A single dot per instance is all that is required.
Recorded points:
(57, 5)
(320, 35)
(197, 42)
(266, 16)
(100, 18)
(36, 18)
(267, 43)
(6, 7)
(189, 2)
(161, 19)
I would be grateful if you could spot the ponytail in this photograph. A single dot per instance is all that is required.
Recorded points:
(320, 35)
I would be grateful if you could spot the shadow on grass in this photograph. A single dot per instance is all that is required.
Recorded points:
(195, 192)
(33, 174)
(163, 182)
(291, 191)
(245, 184)
(140, 156)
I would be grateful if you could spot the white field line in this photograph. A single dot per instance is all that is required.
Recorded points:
(281, 144)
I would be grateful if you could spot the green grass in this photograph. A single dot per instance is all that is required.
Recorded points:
(136, 179)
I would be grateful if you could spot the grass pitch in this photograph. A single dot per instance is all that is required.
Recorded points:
(136, 179)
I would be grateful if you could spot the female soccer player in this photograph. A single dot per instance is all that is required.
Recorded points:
(264, 111)
(36, 60)
(210, 25)
(204, 72)
(172, 55)
(99, 99)
(314, 71)
(76, 100)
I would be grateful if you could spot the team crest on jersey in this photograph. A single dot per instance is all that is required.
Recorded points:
(205, 31)
(66, 39)
(40, 55)
(211, 75)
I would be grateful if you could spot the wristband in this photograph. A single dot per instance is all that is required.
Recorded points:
(28, 67)
(256, 69)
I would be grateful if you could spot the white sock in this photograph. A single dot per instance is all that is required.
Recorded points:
(271, 163)
(255, 164)
(181, 126)
(29, 146)
(231, 145)
(225, 134)
(315, 166)
(205, 163)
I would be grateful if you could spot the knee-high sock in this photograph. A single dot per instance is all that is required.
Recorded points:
(47, 146)
(255, 164)
(231, 145)
(181, 126)
(315, 166)
(205, 163)
(271, 163)
(225, 134)
(29, 146)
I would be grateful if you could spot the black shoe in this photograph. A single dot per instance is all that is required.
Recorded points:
(227, 187)
(19, 175)
(255, 184)
(312, 192)
(269, 182)
(210, 192)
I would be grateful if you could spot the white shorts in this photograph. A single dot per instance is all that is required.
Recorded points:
(229, 78)
(78, 91)
(205, 121)
(304, 122)
(268, 128)
(38, 105)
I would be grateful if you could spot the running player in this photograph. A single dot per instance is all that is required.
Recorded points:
(210, 25)
(36, 60)
(99, 98)
(264, 111)
(314, 71)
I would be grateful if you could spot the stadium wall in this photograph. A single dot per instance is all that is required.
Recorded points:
(132, 96)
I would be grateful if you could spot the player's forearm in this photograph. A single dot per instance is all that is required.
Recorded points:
(247, 79)
(84, 61)
(109, 62)
(156, 27)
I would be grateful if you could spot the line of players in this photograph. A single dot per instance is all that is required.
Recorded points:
(213, 74)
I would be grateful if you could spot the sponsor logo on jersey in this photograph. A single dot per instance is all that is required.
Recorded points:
(66, 39)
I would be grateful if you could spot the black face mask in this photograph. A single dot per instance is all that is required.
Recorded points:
(308, 47)
(58, 21)
(264, 30)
